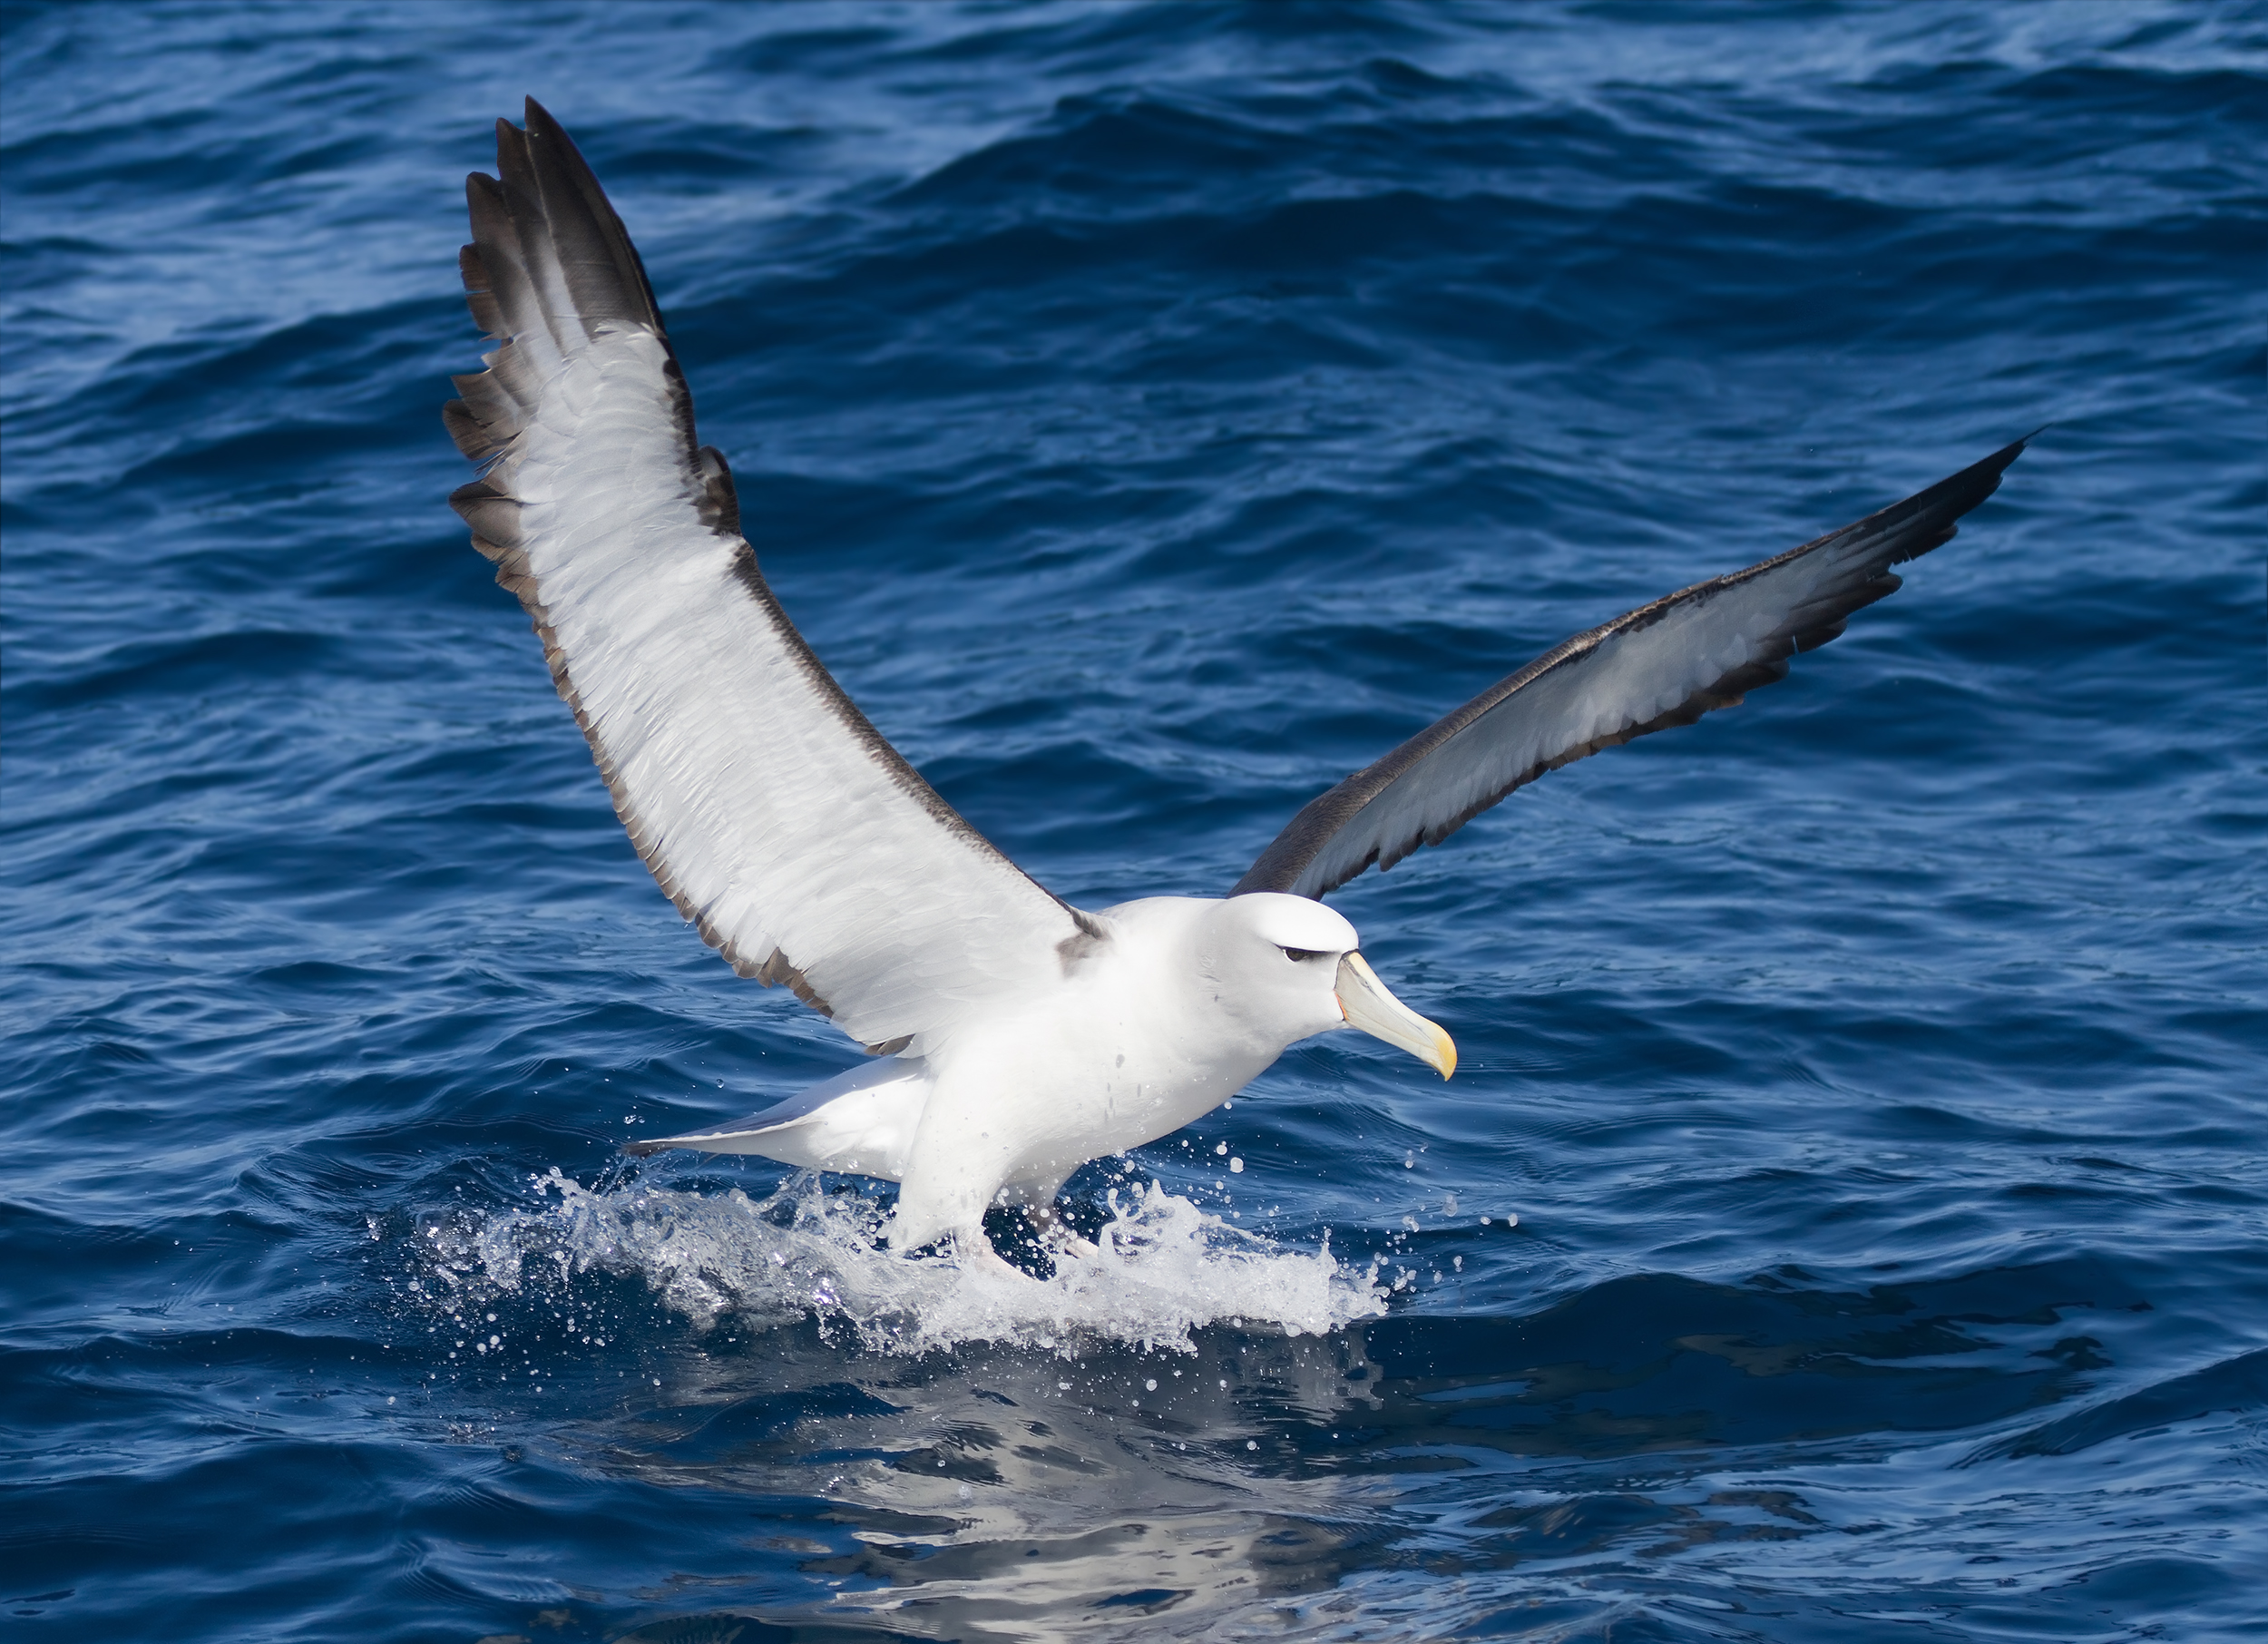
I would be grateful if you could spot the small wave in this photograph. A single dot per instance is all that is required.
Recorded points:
(2236, 1385)
(1161, 1268)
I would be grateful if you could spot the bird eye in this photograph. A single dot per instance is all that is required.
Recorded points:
(1295, 954)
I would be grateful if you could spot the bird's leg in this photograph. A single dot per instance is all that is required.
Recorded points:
(975, 1253)
(1048, 1222)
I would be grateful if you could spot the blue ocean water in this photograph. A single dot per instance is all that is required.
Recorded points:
(1850, 1220)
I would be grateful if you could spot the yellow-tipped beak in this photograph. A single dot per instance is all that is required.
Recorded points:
(1366, 1004)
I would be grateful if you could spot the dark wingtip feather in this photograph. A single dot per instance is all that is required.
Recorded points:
(605, 268)
(1929, 513)
(549, 258)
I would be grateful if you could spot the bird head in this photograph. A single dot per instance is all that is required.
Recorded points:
(1295, 967)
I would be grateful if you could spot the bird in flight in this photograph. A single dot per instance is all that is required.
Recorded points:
(1014, 1036)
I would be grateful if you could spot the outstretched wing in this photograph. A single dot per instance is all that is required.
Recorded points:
(771, 811)
(1663, 664)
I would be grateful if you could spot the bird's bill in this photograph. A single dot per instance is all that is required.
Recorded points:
(1366, 1004)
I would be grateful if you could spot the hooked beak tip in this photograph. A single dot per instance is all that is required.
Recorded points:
(1365, 1003)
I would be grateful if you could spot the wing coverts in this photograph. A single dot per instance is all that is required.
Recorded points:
(1663, 664)
(775, 815)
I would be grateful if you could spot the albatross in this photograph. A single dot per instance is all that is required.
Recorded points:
(1014, 1036)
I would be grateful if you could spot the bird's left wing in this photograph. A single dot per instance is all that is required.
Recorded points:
(774, 814)
(1663, 664)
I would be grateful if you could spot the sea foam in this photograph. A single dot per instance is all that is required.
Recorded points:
(1161, 1268)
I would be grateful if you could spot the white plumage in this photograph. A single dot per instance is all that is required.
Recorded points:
(1023, 1036)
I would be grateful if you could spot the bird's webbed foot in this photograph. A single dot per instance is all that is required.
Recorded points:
(1056, 1231)
(975, 1254)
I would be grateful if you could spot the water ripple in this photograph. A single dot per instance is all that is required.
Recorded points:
(1849, 1214)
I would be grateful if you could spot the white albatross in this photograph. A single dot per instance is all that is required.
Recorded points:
(1019, 1036)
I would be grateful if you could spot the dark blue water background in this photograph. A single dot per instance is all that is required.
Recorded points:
(1150, 413)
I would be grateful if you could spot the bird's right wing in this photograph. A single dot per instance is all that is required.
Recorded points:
(1663, 664)
(771, 811)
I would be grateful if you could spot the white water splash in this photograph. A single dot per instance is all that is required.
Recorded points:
(1162, 1268)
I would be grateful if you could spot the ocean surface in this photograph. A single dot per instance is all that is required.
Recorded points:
(1850, 1221)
